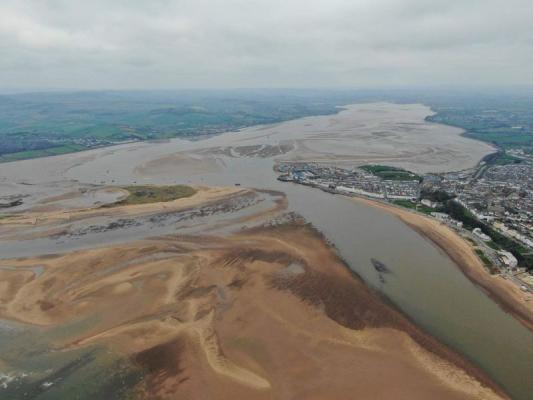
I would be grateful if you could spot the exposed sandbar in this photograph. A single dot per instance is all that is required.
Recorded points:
(266, 312)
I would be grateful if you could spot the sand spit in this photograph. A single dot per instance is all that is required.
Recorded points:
(503, 292)
(202, 196)
(267, 312)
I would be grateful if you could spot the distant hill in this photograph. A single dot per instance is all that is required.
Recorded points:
(48, 123)
(40, 124)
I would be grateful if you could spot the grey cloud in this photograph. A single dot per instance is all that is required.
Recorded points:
(228, 43)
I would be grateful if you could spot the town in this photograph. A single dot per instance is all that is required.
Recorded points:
(491, 206)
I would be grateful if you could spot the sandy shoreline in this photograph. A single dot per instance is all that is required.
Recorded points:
(40, 215)
(258, 329)
(264, 312)
(506, 294)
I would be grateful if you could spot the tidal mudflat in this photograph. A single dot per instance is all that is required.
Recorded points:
(250, 302)
(424, 282)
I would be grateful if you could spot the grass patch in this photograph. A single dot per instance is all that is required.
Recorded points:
(390, 173)
(503, 139)
(413, 206)
(493, 245)
(483, 257)
(425, 209)
(506, 159)
(501, 158)
(52, 151)
(144, 194)
(405, 203)
(486, 262)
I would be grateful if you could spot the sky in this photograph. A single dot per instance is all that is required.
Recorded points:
(173, 44)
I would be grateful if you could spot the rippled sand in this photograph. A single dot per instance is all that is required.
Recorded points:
(220, 295)
(263, 310)
(382, 133)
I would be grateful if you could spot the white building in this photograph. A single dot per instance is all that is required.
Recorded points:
(347, 189)
(508, 259)
(440, 216)
(429, 203)
(479, 233)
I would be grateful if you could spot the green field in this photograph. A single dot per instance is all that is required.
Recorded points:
(504, 139)
(486, 262)
(390, 173)
(40, 124)
(43, 124)
(52, 151)
(413, 206)
(501, 158)
(493, 245)
(144, 194)
(504, 118)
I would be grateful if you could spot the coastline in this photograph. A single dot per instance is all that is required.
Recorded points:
(507, 295)
(160, 176)
(234, 308)
(265, 126)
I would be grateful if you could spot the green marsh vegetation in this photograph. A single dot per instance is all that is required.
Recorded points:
(144, 194)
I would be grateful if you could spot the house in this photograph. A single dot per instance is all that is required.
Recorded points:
(508, 259)
(440, 216)
(479, 233)
(429, 203)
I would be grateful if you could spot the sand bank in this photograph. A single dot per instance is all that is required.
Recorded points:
(268, 312)
(203, 195)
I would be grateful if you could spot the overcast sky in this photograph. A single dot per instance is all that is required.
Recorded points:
(264, 43)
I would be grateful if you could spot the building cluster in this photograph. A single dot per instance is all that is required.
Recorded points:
(502, 196)
(499, 195)
(445, 218)
(479, 233)
(507, 258)
(350, 181)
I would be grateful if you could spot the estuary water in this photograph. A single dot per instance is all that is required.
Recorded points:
(423, 282)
